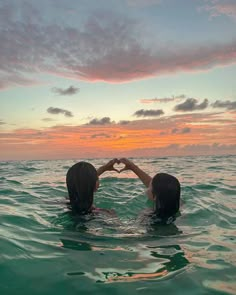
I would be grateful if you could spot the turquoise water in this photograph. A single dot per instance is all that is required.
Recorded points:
(44, 250)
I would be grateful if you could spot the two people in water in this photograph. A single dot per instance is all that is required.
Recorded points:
(163, 189)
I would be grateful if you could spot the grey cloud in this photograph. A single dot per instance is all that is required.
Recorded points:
(148, 113)
(100, 135)
(175, 130)
(124, 122)
(162, 100)
(102, 121)
(56, 111)
(2, 123)
(191, 104)
(107, 121)
(181, 131)
(68, 91)
(155, 100)
(229, 105)
(48, 119)
(186, 130)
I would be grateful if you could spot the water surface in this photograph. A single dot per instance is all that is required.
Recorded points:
(45, 250)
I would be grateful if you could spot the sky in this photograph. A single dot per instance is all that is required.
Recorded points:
(117, 78)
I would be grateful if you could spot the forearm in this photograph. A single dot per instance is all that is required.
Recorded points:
(143, 176)
(109, 166)
(101, 170)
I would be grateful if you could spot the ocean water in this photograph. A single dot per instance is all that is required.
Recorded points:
(46, 250)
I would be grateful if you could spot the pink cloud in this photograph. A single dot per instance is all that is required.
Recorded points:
(217, 8)
(138, 63)
(18, 79)
(162, 100)
(106, 48)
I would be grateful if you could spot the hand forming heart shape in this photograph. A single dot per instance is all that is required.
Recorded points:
(115, 165)
(119, 167)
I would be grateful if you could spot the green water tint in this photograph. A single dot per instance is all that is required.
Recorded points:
(47, 250)
(168, 260)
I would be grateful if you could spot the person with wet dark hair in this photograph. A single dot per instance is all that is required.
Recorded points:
(82, 181)
(163, 189)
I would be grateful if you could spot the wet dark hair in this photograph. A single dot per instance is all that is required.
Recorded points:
(81, 182)
(166, 189)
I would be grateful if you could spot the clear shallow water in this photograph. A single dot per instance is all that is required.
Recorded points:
(44, 250)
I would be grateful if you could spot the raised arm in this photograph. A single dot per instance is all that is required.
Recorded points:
(109, 166)
(143, 176)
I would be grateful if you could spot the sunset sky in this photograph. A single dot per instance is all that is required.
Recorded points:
(112, 78)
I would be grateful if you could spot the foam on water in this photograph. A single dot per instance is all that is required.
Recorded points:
(46, 250)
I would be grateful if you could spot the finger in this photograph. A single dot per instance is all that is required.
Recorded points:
(111, 163)
(114, 169)
(124, 169)
(117, 161)
(108, 163)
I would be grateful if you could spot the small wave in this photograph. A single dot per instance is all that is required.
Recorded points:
(27, 169)
(11, 181)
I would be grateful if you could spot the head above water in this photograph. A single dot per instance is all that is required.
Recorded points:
(82, 182)
(166, 192)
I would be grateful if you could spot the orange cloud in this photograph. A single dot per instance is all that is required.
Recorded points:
(196, 134)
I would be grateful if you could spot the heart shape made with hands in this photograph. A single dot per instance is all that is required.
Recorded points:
(118, 166)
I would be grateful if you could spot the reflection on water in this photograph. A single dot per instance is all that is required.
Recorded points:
(164, 261)
(142, 259)
(165, 264)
